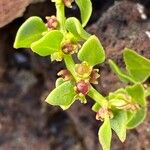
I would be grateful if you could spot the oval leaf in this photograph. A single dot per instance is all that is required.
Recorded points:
(85, 7)
(137, 94)
(105, 134)
(73, 25)
(48, 44)
(59, 81)
(92, 51)
(122, 75)
(63, 95)
(136, 118)
(137, 66)
(118, 124)
(30, 31)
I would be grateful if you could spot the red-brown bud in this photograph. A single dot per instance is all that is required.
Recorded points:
(65, 74)
(94, 76)
(70, 47)
(52, 22)
(82, 87)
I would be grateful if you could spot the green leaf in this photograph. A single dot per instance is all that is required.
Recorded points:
(105, 134)
(113, 95)
(96, 107)
(63, 95)
(137, 94)
(85, 7)
(73, 25)
(48, 44)
(92, 51)
(118, 124)
(136, 118)
(137, 66)
(122, 75)
(67, 106)
(59, 81)
(30, 31)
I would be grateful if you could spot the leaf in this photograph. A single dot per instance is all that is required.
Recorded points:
(67, 106)
(105, 134)
(63, 95)
(137, 94)
(92, 51)
(122, 75)
(136, 118)
(96, 107)
(73, 25)
(137, 66)
(118, 124)
(59, 81)
(30, 31)
(85, 7)
(113, 95)
(48, 44)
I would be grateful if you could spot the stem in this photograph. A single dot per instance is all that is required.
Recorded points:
(95, 95)
(60, 13)
(70, 65)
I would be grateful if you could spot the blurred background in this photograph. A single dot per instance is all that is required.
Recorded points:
(26, 121)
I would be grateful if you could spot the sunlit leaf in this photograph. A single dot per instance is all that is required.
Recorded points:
(48, 44)
(118, 124)
(137, 93)
(136, 118)
(30, 31)
(63, 95)
(92, 51)
(105, 134)
(137, 66)
(73, 25)
(85, 7)
(59, 81)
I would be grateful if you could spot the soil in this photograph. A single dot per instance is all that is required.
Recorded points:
(27, 123)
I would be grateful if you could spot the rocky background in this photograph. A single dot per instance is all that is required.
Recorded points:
(26, 122)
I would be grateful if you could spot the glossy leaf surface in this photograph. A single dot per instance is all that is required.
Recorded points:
(30, 31)
(48, 44)
(105, 134)
(92, 51)
(63, 95)
(137, 66)
(85, 7)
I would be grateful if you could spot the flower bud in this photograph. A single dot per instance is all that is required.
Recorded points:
(70, 47)
(68, 3)
(65, 74)
(82, 87)
(52, 22)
